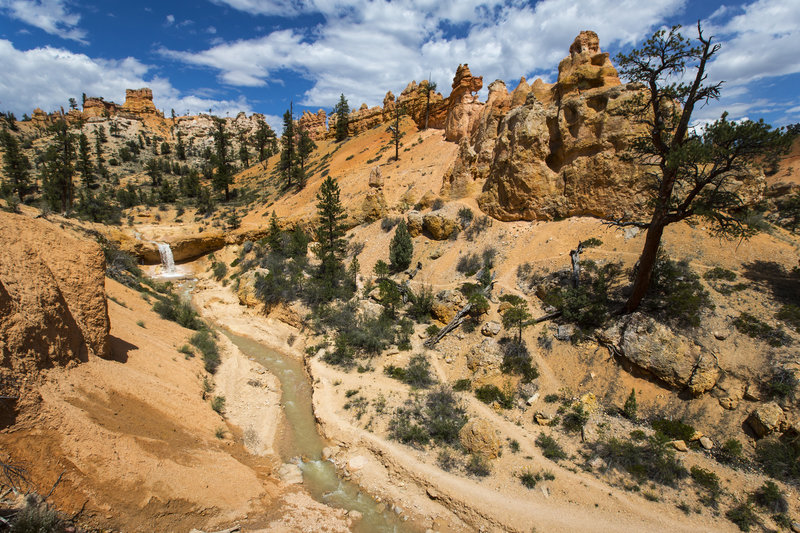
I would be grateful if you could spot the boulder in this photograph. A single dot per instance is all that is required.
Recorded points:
(478, 436)
(53, 308)
(374, 205)
(414, 222)
(542, 419)
(766, 419)
(247, 287)
(679, 446)
(446, 304)
(706, 443)
(375, 178)
(485, 358)
(670, 357)
(490, 328)
(440, 226)
(589, 403)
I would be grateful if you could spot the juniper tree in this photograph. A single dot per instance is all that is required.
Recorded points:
(16, 165)
(264, 140)
(691, 171)
(342, 110)
(180, 149)
(85, 166)
(305, 145)
(516, 316)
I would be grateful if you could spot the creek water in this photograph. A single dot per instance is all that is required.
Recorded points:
(303, 444)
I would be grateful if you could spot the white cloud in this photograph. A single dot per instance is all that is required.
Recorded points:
(366, 47)
(47, 77)
(170, 20)
(51, 16)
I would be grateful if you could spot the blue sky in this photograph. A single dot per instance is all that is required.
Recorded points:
(257, 55)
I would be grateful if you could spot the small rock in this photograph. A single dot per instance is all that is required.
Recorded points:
(357, 463)
(597, 463)
(532, 399)
(542, 419)
(433, 494)
(355, 515)
(730, 403)
(752, 393)
(697, 435)
(721, 335)
(766, 419)
(565, 332)
(706, 443)
(679, 445)
(448, 360)
(490, 329)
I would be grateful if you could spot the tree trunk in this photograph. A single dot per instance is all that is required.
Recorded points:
(427, 106)
(646, 263)
(576, 265)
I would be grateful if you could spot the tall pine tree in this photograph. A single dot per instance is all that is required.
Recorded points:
(305, 145)
(16, 166)
(342, 110)
(329, 234)
(59, 168)
(288, 149)
(223, 177)
(85, 166)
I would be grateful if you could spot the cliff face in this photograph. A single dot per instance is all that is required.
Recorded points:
(52, 298)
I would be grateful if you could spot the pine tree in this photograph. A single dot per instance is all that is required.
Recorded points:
(85, 166)
(100, 161)
(59, 169)
(288, 152)
(401, 248)
(244, 153)
(153, 169)
(427, 87)
(396, 133)
(16, 166)
(305, 145)
(180, 149)
(264, 140)
(630, 408)
(329, 234)
(342, 110)
(223, 177)
(274, 234)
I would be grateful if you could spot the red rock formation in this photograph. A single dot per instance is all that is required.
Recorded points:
(586, 67)
(463, 107)
(97, 107)
(315, 123)
(139, 102)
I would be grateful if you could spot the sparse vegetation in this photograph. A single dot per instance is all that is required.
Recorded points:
(204, 341)
(417, 373)
(771, 498)
(218, 404)
(743, 516)
(550, 448)
(478, 466)
(708, 481)
(438, 419)
(648, 460)
(758, 329)
(491, 393)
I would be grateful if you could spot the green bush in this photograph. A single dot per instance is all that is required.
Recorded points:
(469, 264)
(218, 404)
(465, 216)
(36, 517)
(401, 249)
(673, 429)
(630, 407)
(779, 458)
(517, 359)
(417, 373)
(421, 304)
(649, 460)
(771, 497)
(462, 385)
(173, 307)
(529, 479)
(719, 273)
(552, 398)
(204, 341)
(790, 315)
(758, 329)
(478, 466)
(446, 460)
(550, 447)
(743, 516)
(219, 269)
(730, 452)
(709, 482)
(439, 418)
(342, 354)
(491, 393)
(677, 293)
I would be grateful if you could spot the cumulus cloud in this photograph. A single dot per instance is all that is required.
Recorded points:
(51, 16)
(48, 77)
(365, 47)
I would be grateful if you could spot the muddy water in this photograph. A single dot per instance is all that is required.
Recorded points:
(304, 441)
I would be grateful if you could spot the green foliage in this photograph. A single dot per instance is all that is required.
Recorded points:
(464, 384)
(513, 445)
(770, 497)
(16, 165)
(789, 212)
(387, 223)
(709, 482)
(389, 294)
(550, 447)
(218, 404)
(342, 354)
(719, 273)
(649, 460)
(577, 417)
(469, 264)
(782, 383)
(673, 429)
(329, 236)
(758, 329)
(517, 359)
(440, 419)
(417, 373)
(223, 177)
(478, 226)
(552, 398)
(491, 393)
(790, 315)
(342, 110)
(204, 341)
(478, 466)
(588, 304)
(743, 516)
(465, 217)
(421, 304)
(479, 305)
(173, 307)
(677, 293)
(630, 407)
(516, 316)
(730, 452)
(219, 269)
(36, 517)
(120, 266)
(779, 458)
(401, 249)
(446, 460)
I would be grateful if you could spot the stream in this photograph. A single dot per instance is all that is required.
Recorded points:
(304, 444)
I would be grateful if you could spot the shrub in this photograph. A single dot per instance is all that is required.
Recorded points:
(779, 458)
(421, 304)
(432, 330)
(465, 216)
(770, 497)
(36, 517)
(630, 407)
(469, 264)
(552, 398)
(782, 383)
(517, 360)
(492, 393)
(478, 466)
(407, 431)
(478, 226)
(437, 204)
(388, 223)
(743, 516)
(674, 429)
(729, 452)
(514, 446)
(462, 385)
(401, 249)
(676, 291)
(219, 270)
(418, 372)
(173, 307)
(758, 329)
(446, 460)
(341, 355)
(790, 314)
(709, 482)
(444, 415)
(218, 404)
(203, 341)
(529, 479)
(550, 447)
(650, 460)
(719, 273)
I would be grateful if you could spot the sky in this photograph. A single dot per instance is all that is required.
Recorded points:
(229, 56)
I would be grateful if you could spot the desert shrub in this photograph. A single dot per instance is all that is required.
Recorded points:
(529, 479)
(552, 398)
(405, 430)
(204, 341)
(513, 445)
(465, 216)
(673, 429)
(342, 354)
(173, 307)
(758, 329)
(517, 359)
(439, 418)
(719, 273)
(592, 242)
(630, 407)
(120, 266)
(388, 223)
(421, 304)
(478, 226)
(36, 517)
(432, 330)
(478, 466)
(588, 304)
(219, 269)
(491, 393)
(479, 304)
(218, 404)
(676, 292)
(743, 516)
(771, 497)
(638, 435)
(437, 204)
(649, 460)
(418, 372)
(488, 255)
(782, 383)
(779, 458)
(576, 418)
(446, 460)
(550, 447)
(469, 264)
(730, 452)
(709, 482)
(789, 314)
(462, 384)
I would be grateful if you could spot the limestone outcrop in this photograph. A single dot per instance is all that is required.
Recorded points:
(479, 437)
(463, 106)
(52, 298)
(139, 102)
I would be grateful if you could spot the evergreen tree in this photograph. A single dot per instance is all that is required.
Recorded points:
(16, 166)
(223, 178)
(396, 133)
(85, 166)
(427, 87)
(692, 171)
(100, 134)
(59, 168)
(401, 248)
(516, 316)
(342, 110)
(244, 153)
(329, 234)
(189, 184)
(180, 149)
(305, 145)
(153, 169)
(289, 150)
(264, 140)
(274, 236)
(100, 161)
(165, 148)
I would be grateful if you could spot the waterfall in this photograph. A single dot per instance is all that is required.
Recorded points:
(167, 261)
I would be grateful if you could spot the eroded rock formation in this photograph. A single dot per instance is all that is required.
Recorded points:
(52, 297)
(139, 102)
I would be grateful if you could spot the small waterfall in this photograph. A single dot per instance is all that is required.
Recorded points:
(167, 261)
